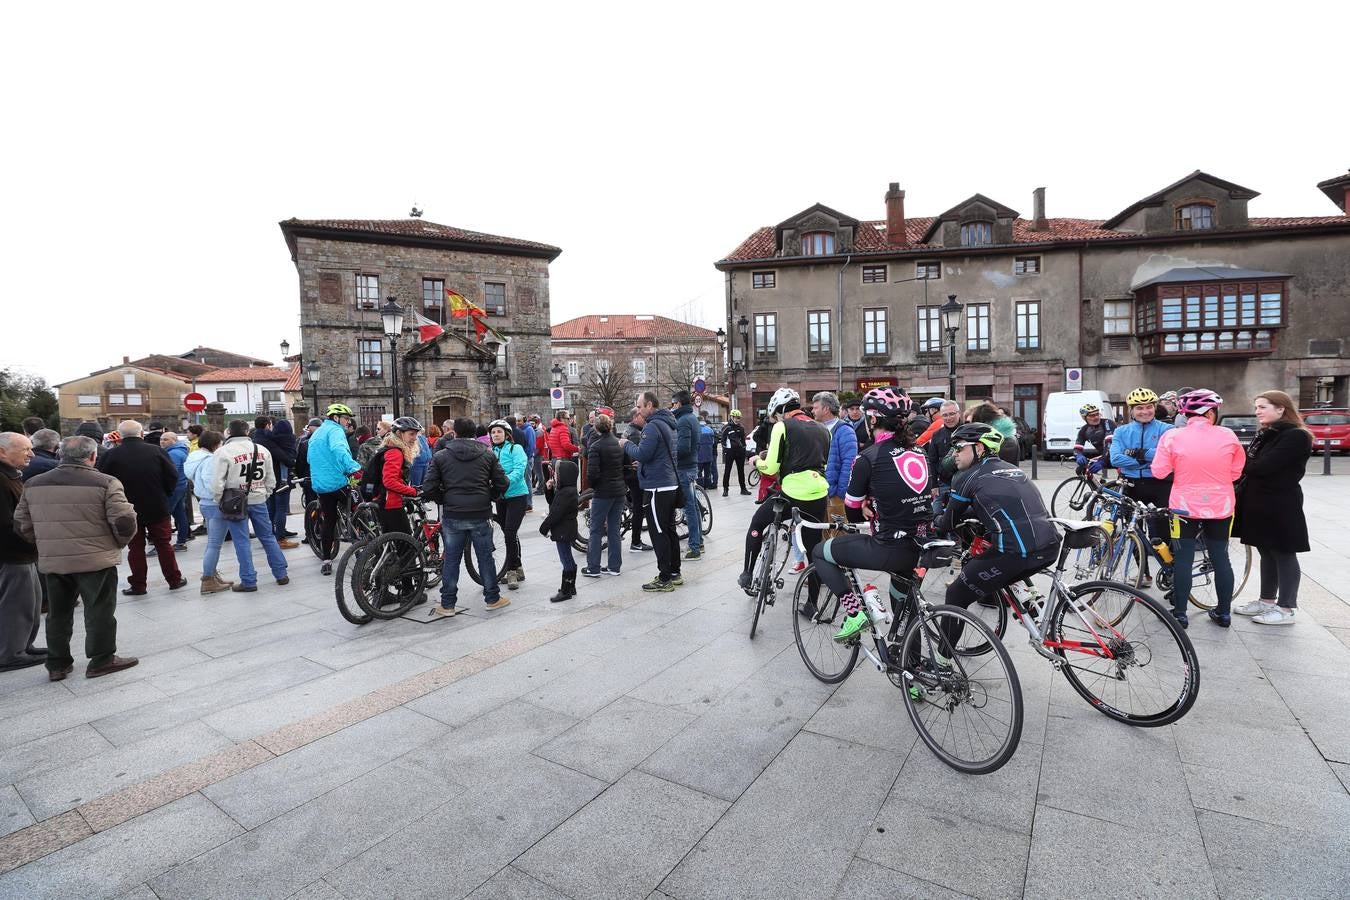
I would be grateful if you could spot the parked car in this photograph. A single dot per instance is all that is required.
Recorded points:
(1244, 427)
(1329, 427)
(1025, 436)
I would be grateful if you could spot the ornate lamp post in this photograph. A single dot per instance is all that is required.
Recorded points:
(743, 329)
(557, 373)
(951, 323)
(392, 314)
(312, 373)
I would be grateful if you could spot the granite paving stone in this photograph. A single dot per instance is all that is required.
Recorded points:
(60, 750)
(596, 684)
(218, 670)
(1323, 808)
(151, 666)
(614, 740)
(68, 713)
(512, 884)
(480, 693)
(866, 880)
(709, 673)
(1251, 859)
(14, 813)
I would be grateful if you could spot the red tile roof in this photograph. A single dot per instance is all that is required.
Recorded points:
(245, 373)
(641, 327)
(293, 379)
(417, 228)
(871, 236)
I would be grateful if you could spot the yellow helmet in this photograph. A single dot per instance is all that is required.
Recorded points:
(1140, 395)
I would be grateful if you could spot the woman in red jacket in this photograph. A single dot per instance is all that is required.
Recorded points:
(401, 448)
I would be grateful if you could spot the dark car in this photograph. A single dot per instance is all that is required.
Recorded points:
(1329, 427)
(1025, 436)
(1245, 427)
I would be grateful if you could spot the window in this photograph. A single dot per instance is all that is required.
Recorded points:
(761, 280)
(818, 243)
(89, 400)
(1027, 265)
(573, 369)
(927, 271)
(818, 331)
(224, 396)
(369, 415)
(1116, 317)
(502, 358)
(977, 326)
(639, 371)
(369, 359)
(117, 400)
(1195, 217)
(1028, 314)
(977, 234)
(134, 400)
(271, 396)
(494, 298)
(874, 274)
(367, 292)
(1203, 318)
(700, 368)
(504, 411)
(930, 329)
(766, 333)
(874, 332)
(433, 299)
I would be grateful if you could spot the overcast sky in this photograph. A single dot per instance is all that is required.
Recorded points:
(151, 149)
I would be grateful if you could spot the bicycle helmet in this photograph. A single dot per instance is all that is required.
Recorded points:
(338, 409)
(503, 425)
(735, 413)
(1198, 402)
(407, 423)
(599, 411)
(781, 398)
(887, 402)
(979, 432)
(1140, 395)
(932, 403)
(1088, 409)
(1169, 396)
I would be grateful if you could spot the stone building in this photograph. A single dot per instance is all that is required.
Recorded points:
(1181, 288)
(349, 268)
(128, 391)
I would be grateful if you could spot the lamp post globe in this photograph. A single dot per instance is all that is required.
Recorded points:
(951, 322)
(392, 314)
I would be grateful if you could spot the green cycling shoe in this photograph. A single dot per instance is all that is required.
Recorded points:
(852, 625)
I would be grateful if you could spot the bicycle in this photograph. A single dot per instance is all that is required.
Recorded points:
(967, 710)
(705, 515)
(766, 573)
(356, 520)
(582, 541)
(1099, 634)
(1075, 493)
(426, 533)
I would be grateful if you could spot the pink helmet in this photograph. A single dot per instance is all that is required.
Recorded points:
(887, 402)
(1198, 402)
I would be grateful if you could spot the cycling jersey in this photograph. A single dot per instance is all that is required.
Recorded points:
(1099, 436)
(1137, 436)
(898, 480)
(1006, 503)
(798, 447)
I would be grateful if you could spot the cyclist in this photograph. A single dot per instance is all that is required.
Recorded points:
(511, 506)
(1132, 454)
(889, 486)
(1092, 448)
(796, 454)
(330, 466)
(1204, 459)
(393, 463)
(1167, 406)
(1010, 509)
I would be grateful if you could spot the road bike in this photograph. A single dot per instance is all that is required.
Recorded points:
(1075, 494)
(766, 572)
(705, 514)
(582, 541)
(957, 682)
(1117, 647)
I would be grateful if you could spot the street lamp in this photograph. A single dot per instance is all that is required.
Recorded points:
(392, 314)
(557, 375)
(951, 323)
(285, 349)
(488, 364)
(312, 373)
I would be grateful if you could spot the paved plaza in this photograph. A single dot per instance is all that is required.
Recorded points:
(625, 744)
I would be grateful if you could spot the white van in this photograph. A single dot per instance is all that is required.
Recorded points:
(1062, 420)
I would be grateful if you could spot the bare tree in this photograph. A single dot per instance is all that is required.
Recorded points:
(608, 383)
(684, 355)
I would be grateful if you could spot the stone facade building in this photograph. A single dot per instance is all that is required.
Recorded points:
(128, 391)
(1182, 288)
(348, 268)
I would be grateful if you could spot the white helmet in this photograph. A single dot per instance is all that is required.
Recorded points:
(781, 398)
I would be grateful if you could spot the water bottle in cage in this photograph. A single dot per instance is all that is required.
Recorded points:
(875, 608)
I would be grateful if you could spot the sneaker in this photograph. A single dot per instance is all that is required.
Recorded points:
(658, 586)
(1181, 619)
(1276, 615)
(677, 579)
(609, 571)
(499, 603)
(512, 582)
(808, 610)
(1146, 582)
(852, 625)
(1252, 608)
(180, 548)
(744, 583)
(1219, 619)
(284, 580)
(244, 588)
(696, 553)
(326, 569)
(745, 493)
(638, 548)
(591, 573)
(445, 611)
(798, 566)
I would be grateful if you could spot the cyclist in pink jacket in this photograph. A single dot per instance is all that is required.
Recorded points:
(1204, 460)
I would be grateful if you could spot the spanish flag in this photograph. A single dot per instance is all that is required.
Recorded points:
(460, 307)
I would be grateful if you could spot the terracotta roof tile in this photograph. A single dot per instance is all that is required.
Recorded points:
(641, 327)
(293, 380)
(245, 373)
(417, 228)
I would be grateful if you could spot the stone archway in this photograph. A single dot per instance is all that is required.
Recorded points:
(449, 407)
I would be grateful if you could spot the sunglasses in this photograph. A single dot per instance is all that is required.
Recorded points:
(962, 445)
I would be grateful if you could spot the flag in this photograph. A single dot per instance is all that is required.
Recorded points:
(481, 329)
(460, 307)
(426, 329)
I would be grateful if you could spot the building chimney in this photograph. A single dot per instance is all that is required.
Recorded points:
(125, 360)
(1038, 206)
(895, 217)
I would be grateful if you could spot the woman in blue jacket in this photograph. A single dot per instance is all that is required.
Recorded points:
(511, 507)
(1132, 449)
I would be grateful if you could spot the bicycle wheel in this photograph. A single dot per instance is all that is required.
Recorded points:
(583, 538)
(752, 477)
(1148, 675)
(967, 710)
(390, 576)
(1071, 497)
(498, 554)
(433, 562)
(355, 616)
(763, 581)
(827, 660)
(313, 527)
(705, 512)
(364, 522)
(992, 612)
(1203, 592)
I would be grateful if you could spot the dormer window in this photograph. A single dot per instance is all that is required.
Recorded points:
(818, 243)
(1195, 217)
(977, 234)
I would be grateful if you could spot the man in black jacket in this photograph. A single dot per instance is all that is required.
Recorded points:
(149, 478)
(465, 478)
(733, 451)
(45, 441)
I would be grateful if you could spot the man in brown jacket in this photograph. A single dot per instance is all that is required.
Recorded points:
(80, 520)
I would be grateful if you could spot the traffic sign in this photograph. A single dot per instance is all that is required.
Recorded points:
(700, 385)
(698, 399)
(194, 402)
(1073, 380)
(558, 397)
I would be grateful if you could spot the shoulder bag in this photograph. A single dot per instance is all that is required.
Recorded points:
(234, 501)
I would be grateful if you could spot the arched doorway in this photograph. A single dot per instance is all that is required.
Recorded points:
(443, 408)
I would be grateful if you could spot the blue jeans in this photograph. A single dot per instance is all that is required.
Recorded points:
(279, 504)
(456, 534)
(178, 509)
(216, 528)
(606, 522)
(569, 563)
(688, 477)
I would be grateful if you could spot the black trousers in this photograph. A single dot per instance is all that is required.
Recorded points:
(98, 590)
(815, 510)
(728, 458)
(982, 576)
(637, 507)
(660, 508)
(510, 513)
(862, 551)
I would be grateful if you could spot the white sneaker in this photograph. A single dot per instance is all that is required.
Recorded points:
(1252, 608)
(1276, 615)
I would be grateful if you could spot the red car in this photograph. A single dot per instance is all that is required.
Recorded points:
(1329, 426)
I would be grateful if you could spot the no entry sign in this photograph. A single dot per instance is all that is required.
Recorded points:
(194, 402)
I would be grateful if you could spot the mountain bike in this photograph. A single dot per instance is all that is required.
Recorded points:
(965, 704)
(356, 520)
(582, 541)
(1117, 647)
(426, 534)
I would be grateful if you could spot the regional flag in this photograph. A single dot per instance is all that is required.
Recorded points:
(426, 329)
(460, 307)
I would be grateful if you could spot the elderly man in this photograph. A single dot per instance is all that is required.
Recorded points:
(862, 427)
(843, 448)
(936, 448)
(45, 443)
(80, 520)
(149, 479)
(20, 600)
